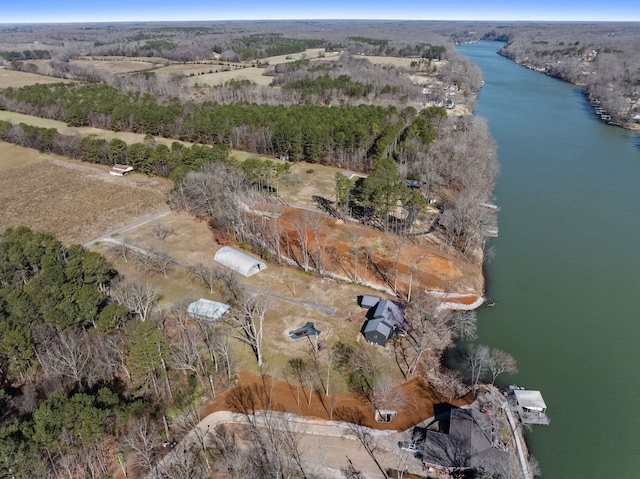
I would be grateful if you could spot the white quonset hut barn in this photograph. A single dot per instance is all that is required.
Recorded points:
(238, 261)
(207, 310)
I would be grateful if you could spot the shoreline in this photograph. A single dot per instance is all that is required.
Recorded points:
(630, 126)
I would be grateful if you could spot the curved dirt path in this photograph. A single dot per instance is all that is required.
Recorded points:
(130, 226)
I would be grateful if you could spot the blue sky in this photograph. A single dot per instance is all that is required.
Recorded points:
(31, 11)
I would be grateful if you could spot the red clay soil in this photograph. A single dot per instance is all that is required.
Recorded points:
(256, 392)
(428, 266)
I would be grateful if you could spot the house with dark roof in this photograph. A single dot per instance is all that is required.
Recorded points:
(386, 319)
(471, 443)
(377, 331)
(391, 313)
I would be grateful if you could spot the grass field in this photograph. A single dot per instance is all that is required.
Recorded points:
(307, 179)
(127, 137)
(396, 61)
(224, 73)
(76, 201)
(193, 241)
(115, 65)
(309, 53)
(12, 156)
(189, 68)
(15, 79)
(252, 74)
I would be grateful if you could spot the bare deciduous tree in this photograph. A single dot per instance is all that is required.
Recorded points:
(121, 249)
(207, 272)
(477, 361)
(246, 317)
(161, 261)
(301, 225)
(185, 350)
(162, 231)
(66, 354)
(500, 362)
(140, 298)
(141, 439)
(385, 394)
(187, 423)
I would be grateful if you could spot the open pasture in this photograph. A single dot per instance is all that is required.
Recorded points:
(197, 68)
(16, 79)
(253, 74)
(13, 156)
(115, 66)
(309, 53)
(76, 201)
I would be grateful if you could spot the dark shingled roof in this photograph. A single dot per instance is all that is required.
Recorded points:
(391, 313)
(468, 444)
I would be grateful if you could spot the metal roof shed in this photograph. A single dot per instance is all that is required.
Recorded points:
(238, 261)
(207, 310)
(368, 301)
(530, 400)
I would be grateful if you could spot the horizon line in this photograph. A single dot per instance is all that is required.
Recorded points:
(78, 22)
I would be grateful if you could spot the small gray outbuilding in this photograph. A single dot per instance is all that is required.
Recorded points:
(207, 310)
(238, 261)
(368, 301)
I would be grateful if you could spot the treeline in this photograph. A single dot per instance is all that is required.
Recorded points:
(257, 46)
(457, 172)
(451, 159)
(52, 297)
(158, 159)
(25, 55)
(323, 83)
(300, 132)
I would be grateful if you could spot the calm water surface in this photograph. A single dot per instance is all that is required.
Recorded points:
(566, 278)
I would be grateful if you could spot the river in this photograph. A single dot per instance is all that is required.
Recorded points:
(567, 266)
